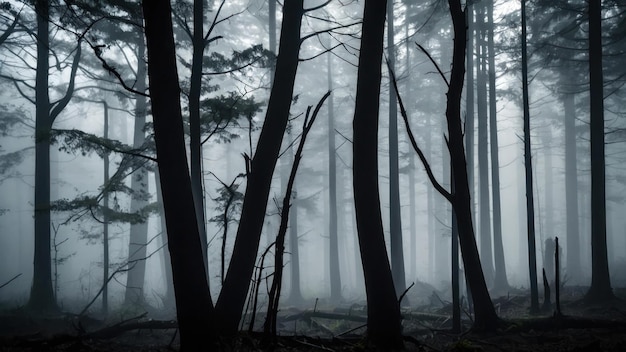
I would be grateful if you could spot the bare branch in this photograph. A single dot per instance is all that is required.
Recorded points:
(434, 63)
(421, 155)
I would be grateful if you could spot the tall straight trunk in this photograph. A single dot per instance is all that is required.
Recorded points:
(572, 264)
(548, 213)
(193, 301)
(333, 239)
(105, 219)
(233, 295)
(456, 298)
(486, 253)
(469, 102)
(42, 294)
(139, 184)
(412, 200)
(600, 290)
(395, 217)
(383, 311)
(530, 211)
(500, 281)
(195, 143)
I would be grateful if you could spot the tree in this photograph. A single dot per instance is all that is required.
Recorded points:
(383, 311)
(600, 290)
(193, 300)
(485, 314)
(41, 294)
(261, 168)
(395, 222)
(500, 282)
(530, 211)
(137, 243)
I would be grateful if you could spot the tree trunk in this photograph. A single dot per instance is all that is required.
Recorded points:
(41, 294)
(195, 144)
(333, 238)
(469, 103)
(193, 301)
(501, 283)
(139, 184)
(105, 219)
(600, 290)
(571, 188)
(395, 217)
(486, 253)
(233, 295)
(530, 211)
(485, 314)
(383, 311)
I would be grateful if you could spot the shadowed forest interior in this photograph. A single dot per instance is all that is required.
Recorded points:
(319, 174)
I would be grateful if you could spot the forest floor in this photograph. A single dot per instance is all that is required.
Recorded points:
(426, 328)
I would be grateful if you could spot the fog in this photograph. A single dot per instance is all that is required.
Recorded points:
(77, 166)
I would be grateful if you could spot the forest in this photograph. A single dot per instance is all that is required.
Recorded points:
(305, 175)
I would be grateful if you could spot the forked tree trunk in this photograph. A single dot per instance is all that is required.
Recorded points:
(193, 301)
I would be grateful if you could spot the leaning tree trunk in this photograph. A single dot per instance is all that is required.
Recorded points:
(485, 314)
(193, 300)
(233, 295)
(383, 311)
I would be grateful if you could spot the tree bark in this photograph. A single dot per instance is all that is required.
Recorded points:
(193, 301)
(383, 311)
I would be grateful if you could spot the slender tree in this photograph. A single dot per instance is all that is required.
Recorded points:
(395, 220)
(500, 283)
(600, 290)
(383, 311)
(41, 294)
(530, 211)
(193, 300)
(233, 294)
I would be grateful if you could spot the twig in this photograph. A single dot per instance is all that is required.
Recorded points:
(8, 282)
(434, 63)
(405, 292)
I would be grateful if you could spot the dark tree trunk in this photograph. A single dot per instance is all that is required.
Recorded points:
(395, 221)
(530, 211)
(233, 295)
(42, 298)
(600, 290)
(195, 144)
(469, 103)
(485, 314)
(500, 283)
(193, 301)
(383, 311)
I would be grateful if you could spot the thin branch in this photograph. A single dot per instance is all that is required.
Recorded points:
(8, 282)
(434, 63)
(421, 155)
(317, 7)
